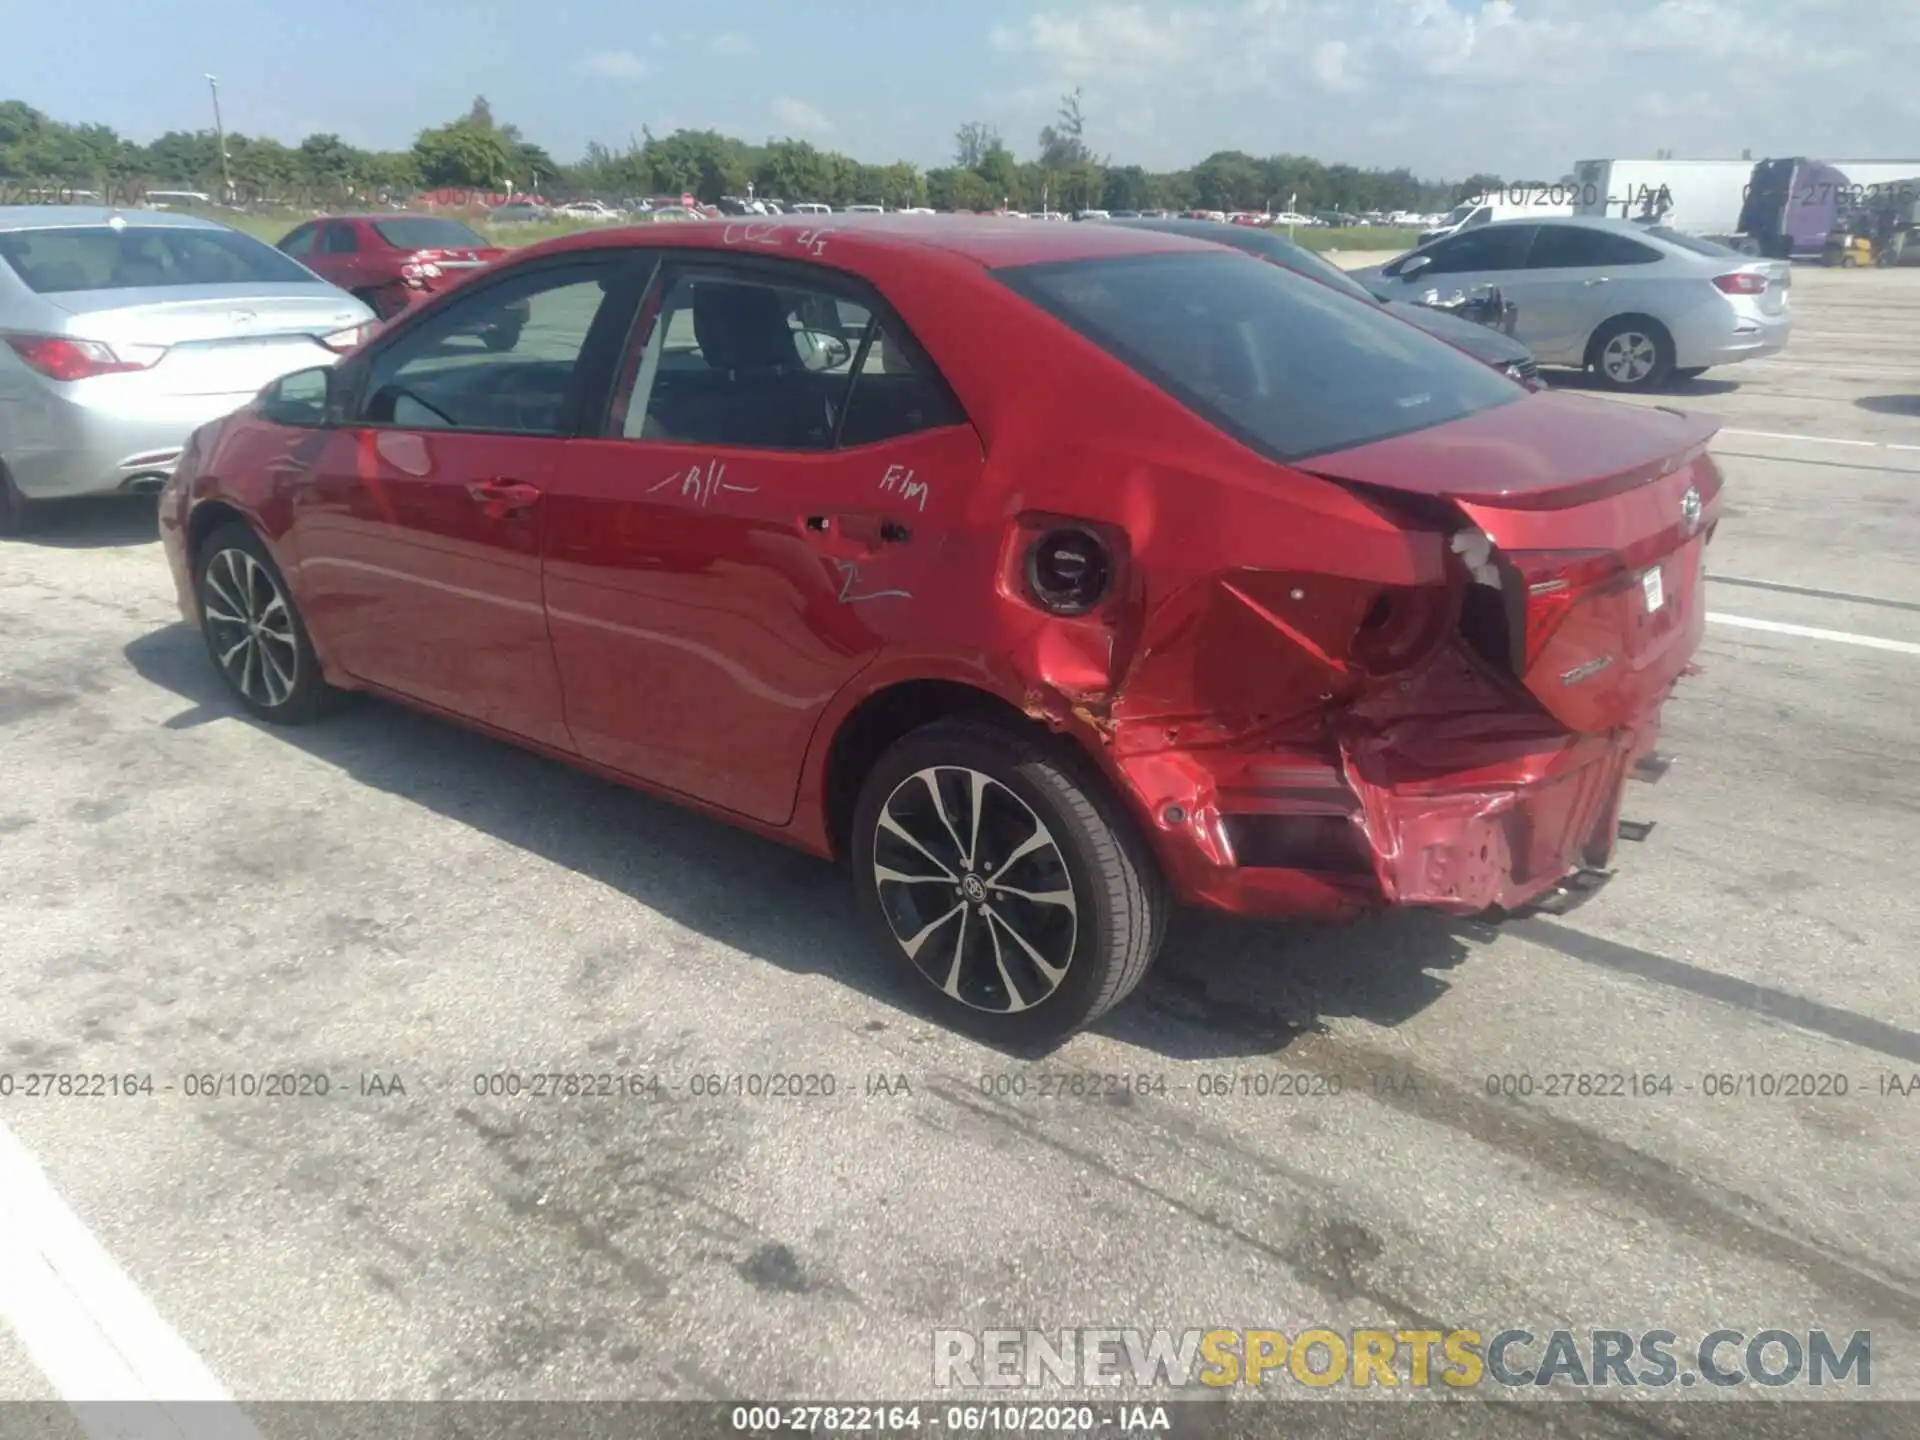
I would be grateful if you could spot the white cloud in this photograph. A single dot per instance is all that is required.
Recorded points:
(1332, 66)
(734, 43)
(798, 117)
(1447, 87)
(615, 65)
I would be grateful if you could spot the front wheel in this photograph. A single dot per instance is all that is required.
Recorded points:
(254, 633)
(1001, 872)
(1632, 353)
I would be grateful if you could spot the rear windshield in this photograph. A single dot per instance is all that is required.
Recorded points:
(428, 232)
(1691, 242)
(1280, 362)
(99, 257)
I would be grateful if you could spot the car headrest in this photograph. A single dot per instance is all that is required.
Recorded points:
(742, 327)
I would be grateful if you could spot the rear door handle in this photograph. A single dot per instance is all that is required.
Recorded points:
(504, 497)
(857, 526)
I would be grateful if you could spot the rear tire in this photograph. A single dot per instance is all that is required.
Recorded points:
(17, 513)
(959, 829)
(1631, 353)
(254, 632)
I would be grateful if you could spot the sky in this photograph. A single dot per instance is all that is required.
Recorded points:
(1519, 88)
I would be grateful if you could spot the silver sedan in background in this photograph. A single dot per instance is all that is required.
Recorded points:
(1638, 305)
(121, 334)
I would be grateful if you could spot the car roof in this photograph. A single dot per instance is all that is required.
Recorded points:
(46, 217)
(1578, 222)
(991, 241)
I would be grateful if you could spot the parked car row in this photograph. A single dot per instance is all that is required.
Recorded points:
(1250, 596)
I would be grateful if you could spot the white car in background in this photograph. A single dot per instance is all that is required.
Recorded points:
(1638, 305)
(596, 211)
(121, 334)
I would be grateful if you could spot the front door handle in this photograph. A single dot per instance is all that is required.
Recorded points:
(1597, 280)
(504, 497)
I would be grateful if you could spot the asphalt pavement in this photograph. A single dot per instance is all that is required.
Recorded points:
(1336, 1128)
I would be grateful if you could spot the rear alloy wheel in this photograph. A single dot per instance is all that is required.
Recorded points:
(254, 633)
(1632, 353)
(1007, 880)
(16, 511)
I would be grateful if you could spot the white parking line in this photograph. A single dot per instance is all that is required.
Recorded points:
(96, 1338)
(1810, 632)
(1818, 439)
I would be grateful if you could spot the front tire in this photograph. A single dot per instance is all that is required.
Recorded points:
(254, 633)
(1004, 876)
(1631, 354)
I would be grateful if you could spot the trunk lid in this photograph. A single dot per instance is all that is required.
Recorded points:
(218, 339)
(1588, 587)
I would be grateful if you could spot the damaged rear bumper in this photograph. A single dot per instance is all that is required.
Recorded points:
(1485, 811)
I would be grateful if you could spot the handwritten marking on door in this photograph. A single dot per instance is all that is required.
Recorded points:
(899, 481)
(850, 577)
(702, 483)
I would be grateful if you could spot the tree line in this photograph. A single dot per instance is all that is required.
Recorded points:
(478, 152)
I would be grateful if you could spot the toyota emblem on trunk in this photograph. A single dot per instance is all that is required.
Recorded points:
(1690, 507)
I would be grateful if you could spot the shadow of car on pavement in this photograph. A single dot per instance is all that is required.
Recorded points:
(1223, 987)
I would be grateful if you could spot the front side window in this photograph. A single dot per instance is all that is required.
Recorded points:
(1496, 247)
(299, 242)
(1278, 361)
(505, 359)
(737, 359)
(68, 259)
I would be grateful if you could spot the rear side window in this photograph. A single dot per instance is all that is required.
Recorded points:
(1278, 361)
(340, 240)
(1564, 247)
(428, 232)
(67, 259)
(1694, 243)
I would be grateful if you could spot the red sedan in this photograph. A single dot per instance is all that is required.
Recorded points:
(391, 262)
(1047, 575)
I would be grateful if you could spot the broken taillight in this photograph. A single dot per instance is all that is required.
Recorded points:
(1550, 583)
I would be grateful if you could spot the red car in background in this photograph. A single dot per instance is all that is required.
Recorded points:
(391, 262)
(1046, 575)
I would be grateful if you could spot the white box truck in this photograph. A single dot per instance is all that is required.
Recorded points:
(1511, 202)
(1695, 197)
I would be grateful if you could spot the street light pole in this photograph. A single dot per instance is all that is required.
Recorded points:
(220, 138)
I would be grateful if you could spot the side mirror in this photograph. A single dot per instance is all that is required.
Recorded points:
(821, 351)
(1412, 266)
(300, 399)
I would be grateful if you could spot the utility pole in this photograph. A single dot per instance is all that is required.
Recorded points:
(220, 138)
